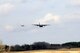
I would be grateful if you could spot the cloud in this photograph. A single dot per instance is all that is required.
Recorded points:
(72, 17)
(6, 8)
(49, 18)
(12, 1)
(56, 19)
(17, 28)
(75, 2)
(8, 28)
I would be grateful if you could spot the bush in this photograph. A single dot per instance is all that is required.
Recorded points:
(2, 48)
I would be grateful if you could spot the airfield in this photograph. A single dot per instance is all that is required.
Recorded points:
(73, 50)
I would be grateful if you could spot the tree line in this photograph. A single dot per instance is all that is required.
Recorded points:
(42, 46)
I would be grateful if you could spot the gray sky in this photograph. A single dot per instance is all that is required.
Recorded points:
(62, 15)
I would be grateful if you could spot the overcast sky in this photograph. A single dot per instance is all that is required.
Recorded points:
(63, 17)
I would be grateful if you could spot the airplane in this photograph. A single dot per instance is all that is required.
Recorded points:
(40, 25)
(22, 25)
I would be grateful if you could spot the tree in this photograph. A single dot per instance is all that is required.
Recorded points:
(71, 45)
(25, 47)
(40, 45)
(55, 46)
(6, 47)
(17, 48)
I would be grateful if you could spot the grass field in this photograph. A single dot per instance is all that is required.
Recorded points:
(74, 50)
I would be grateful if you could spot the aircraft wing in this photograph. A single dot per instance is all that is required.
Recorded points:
(40, 24)
(45, 24)
(36, 24)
